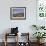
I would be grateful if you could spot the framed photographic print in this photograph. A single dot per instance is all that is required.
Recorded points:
(18, 13)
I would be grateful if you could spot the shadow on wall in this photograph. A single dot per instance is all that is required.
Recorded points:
(8, 30)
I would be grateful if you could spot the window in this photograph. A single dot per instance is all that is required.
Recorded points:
(41, 8)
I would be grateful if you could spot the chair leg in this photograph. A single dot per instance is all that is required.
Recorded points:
(5, 40)
(5, 43)
(17, 41)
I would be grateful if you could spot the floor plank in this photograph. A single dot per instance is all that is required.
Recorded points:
(13, 44)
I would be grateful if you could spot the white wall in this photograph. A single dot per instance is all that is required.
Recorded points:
(24, 25)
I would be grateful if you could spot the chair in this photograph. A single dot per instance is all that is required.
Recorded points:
(14, 32)
(25, 37)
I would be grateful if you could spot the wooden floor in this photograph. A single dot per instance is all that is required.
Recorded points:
(13, 44)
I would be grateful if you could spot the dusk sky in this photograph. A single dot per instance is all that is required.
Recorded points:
(18, 11)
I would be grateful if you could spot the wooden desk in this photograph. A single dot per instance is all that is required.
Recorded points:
(17, 43)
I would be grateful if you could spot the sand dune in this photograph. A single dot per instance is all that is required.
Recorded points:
(18, 15)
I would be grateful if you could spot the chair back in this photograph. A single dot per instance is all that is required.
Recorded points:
(14, 30)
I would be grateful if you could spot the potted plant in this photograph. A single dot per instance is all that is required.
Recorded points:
(39, 35)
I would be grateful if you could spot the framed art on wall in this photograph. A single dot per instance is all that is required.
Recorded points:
(18, 13)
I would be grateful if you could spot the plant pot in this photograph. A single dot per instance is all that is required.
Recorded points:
(42, 40)
(38, 40)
